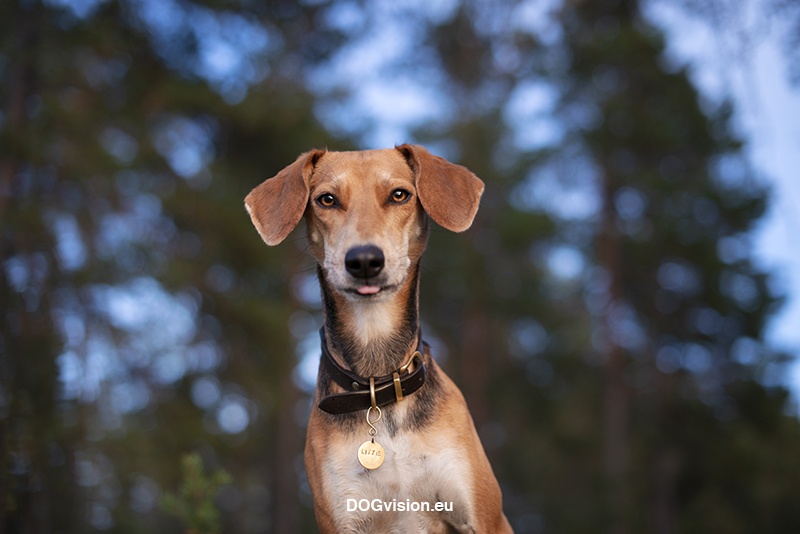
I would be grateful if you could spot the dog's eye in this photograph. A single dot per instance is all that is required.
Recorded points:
(326, 200)
(399, 195)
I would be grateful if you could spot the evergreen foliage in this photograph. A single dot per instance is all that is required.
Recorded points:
(603, 316)
(194, 503)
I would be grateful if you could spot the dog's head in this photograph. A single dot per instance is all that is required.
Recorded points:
(365, 211)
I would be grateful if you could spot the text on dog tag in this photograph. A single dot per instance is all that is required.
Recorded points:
(370, 455)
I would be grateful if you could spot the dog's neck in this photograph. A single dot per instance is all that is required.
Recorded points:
(372, 338)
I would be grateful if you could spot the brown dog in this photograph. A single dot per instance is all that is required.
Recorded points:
(367, 218)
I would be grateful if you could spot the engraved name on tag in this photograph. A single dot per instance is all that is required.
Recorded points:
(370, 455)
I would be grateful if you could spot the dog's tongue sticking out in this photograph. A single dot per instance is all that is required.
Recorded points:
(368, 290)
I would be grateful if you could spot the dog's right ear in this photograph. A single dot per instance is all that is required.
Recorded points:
(276, 206)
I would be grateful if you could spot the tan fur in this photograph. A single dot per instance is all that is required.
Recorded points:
(449, 193)
(277, 205)
(441, 459)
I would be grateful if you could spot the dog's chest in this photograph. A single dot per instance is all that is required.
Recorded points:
(417, 473)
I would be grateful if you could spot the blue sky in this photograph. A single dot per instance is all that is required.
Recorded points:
(745, 61)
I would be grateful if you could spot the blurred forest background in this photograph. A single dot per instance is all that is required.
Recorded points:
(603, 316)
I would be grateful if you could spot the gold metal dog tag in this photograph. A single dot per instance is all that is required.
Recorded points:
(370, 455)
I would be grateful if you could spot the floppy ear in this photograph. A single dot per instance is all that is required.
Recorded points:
(276, 206)
(449, 193)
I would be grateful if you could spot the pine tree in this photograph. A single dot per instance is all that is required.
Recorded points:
(140, 309)
(616, 395)
(194, 503)
(680, 312)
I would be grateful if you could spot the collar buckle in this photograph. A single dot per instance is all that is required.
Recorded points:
(364, 393)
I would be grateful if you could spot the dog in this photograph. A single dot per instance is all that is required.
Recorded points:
(391, 446)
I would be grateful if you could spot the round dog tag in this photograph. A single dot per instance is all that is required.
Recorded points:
(370, 455)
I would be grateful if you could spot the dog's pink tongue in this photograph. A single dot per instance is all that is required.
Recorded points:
(368, 290)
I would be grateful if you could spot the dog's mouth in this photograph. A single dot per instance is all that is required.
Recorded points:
(368, 290)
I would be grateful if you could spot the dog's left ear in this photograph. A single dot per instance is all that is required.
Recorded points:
(449, 193)
(276, 206)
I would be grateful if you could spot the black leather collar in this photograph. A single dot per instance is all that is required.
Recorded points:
(357, 396)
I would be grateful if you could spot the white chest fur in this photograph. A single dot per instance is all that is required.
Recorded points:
(414, 471)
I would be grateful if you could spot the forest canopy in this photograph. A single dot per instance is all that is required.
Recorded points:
(603, 316)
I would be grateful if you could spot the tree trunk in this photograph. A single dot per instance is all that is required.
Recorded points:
(17, 87)
(474, 366)
(664, 517)
(286, 510)
(615, 393)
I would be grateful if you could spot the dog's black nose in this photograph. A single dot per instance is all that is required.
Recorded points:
(364, 262)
